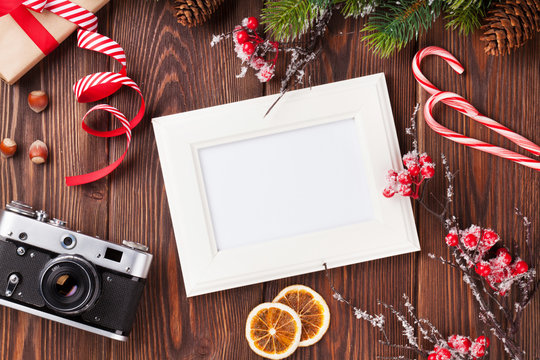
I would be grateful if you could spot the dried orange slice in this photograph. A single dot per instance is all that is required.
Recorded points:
(312, 309)
(273, 330)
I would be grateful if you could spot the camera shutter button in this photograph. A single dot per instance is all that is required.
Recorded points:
(41, 215)
(58, 223)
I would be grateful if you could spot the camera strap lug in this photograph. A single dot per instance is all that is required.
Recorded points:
(13, 281)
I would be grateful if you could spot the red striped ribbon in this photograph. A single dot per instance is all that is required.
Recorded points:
(458, 103)
(99, 85)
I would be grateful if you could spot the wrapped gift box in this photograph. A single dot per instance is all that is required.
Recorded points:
(18, 53)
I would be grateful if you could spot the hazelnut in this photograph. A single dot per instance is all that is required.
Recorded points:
(38, 100)
(8, 147)
(38, 152)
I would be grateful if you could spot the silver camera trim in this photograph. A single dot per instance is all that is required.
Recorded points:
(91, 297)
(43, 235)
(61, 320)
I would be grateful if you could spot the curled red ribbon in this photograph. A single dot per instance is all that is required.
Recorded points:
(97, 86)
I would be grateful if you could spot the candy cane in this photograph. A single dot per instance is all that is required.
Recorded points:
(458, 103)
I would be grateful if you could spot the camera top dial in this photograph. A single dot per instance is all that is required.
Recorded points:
(21, 209)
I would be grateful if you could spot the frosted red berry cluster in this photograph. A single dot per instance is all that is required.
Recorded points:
(246, 44)
(496, 268)
(462, 345)
(418, 168)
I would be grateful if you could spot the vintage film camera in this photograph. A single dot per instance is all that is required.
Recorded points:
(66, 276)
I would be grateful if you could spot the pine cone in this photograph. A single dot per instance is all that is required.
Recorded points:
(195, 12)
(509, 25)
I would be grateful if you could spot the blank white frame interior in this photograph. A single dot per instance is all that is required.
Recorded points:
(256, 198)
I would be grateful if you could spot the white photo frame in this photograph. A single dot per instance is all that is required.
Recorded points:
(256, 198)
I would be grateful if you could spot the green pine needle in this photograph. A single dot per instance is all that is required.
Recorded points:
(395, 23)
(465, 15)
(287, 20)
(356, 8)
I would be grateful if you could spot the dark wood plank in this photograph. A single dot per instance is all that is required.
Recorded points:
(178, 71)
(487, 188)
(70, 153)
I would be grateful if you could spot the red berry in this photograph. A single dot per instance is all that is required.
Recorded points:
(521, 267)
(452, 339)
(451, 239)
(483, 269)
(425, 158)
(432, 356)
(466, 344)
(489, 238)
(404, 177)
(480, 351)
(252, 23)
(470, 241)
(405, 190)
(428, 171)
(414, 169)
(392, 175)
(482, 340)
(501, 251)
(504, 257)
(388, 192)
(248, 48)
(443, 354)
(242, 36)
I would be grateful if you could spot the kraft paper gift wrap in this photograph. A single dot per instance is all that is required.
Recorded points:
(18, 53)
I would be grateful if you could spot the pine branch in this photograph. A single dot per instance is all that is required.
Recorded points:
(356, 8)
(287, 20)
(395, 23)
(465, 15)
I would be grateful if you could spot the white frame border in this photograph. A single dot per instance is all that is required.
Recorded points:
(180, 136)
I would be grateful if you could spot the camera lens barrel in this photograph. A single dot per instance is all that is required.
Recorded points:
(69, 284)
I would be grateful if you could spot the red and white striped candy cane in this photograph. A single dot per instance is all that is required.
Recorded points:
(458, 103)
(433, 50)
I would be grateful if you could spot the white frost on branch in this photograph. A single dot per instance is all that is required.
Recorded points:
(375, 320)
(243, 71)
(217, 38)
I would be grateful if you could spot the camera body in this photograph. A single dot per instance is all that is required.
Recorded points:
(69, 277)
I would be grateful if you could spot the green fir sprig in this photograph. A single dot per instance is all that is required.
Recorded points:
(395, 23)
(390, 26)
(465, 15)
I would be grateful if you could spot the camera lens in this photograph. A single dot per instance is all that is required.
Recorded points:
(66, 285)
(69, 284)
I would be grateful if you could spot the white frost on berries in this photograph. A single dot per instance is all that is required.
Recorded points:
(266, 73)
(257, 62)
(239, 50)
(244, 22)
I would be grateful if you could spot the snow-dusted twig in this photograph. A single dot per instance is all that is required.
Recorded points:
(489, 274)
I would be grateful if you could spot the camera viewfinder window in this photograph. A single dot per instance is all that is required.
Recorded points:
(113, 255)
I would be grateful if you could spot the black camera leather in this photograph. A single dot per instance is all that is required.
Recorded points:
(115, 308)
(28, 267)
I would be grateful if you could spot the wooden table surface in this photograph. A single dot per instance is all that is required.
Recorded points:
(178, 71)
